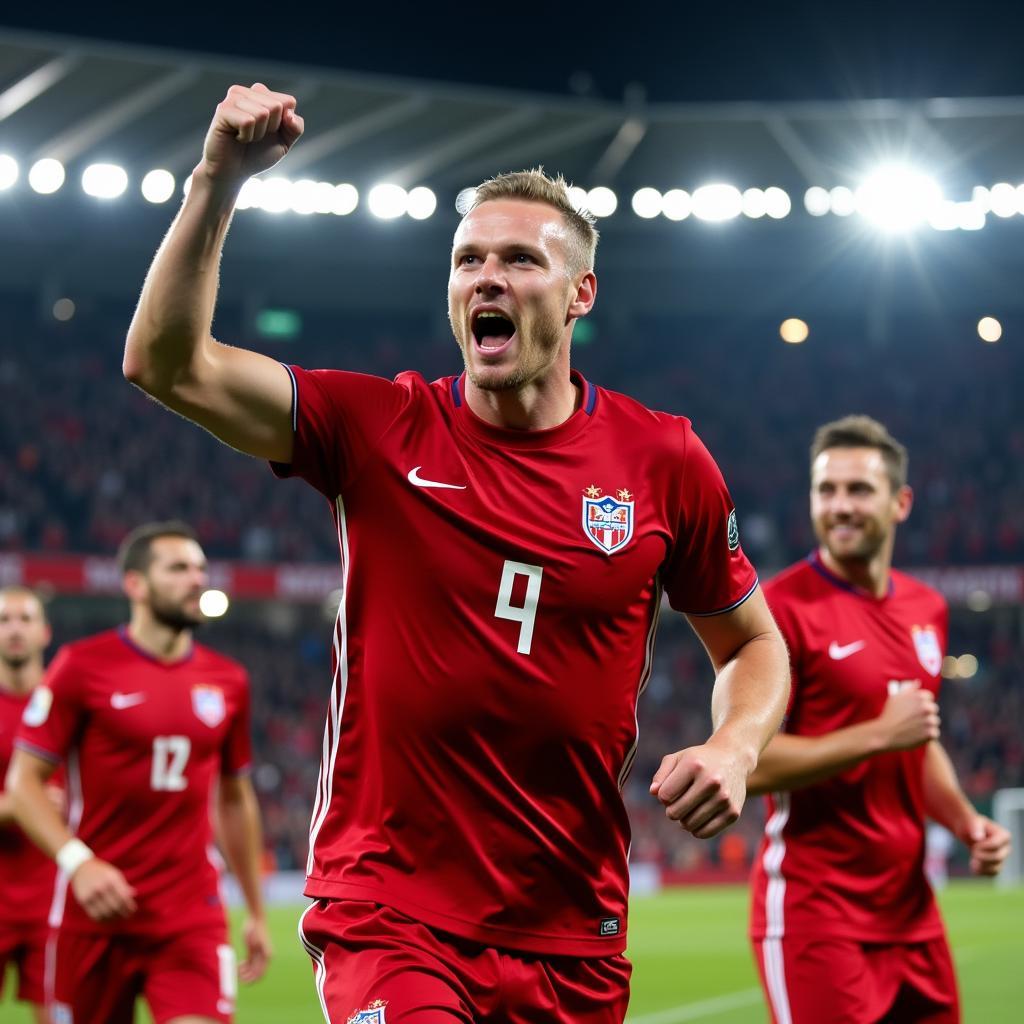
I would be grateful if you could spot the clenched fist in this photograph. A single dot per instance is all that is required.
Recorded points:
(252, 129)
(909, 718)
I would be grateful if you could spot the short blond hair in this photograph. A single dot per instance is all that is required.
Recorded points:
(864, 432)
(535, 186)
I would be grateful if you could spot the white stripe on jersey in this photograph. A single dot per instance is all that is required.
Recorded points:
(76, 805)
(775, 910)
(645, 676)
(339, 690)
(319, 964)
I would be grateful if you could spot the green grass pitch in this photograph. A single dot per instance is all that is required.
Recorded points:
(692, 962)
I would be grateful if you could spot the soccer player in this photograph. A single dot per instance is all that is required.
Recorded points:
(150, 725)
(26, 876)
(845, 926)
(505, 537)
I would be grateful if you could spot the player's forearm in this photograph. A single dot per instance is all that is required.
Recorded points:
(750, 695)
(243, 844)
(172, 322)
(792, 762)
(6, 810)
(32, 808)
(944, 800)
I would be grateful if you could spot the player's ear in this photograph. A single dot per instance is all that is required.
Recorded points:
(586, 293)
(133, 583)
(904, 503)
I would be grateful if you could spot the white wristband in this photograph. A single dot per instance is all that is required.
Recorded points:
(72, 855)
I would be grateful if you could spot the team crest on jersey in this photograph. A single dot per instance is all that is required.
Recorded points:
(929, 653)
(208, 704)
(608, 521)
(373, 1014)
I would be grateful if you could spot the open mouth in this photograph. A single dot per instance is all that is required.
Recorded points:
(492, 331)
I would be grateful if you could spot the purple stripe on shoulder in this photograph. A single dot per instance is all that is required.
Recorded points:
(31, 748)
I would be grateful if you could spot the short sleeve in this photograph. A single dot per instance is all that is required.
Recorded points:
(236, 754)
(337, 419)
(55, 712)
(707, 572)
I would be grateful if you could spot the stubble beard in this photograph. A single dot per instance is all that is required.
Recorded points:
(174, 616)
(15, 662)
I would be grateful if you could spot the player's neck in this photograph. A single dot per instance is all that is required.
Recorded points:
(21, 679)
(540, 405)
(157, 640)
(871, 575)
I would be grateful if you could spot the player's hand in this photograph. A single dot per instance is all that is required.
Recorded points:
(703, 788)
(103, 891)
(252, 129)
(258, 951)
(909, 718)
(988, 843)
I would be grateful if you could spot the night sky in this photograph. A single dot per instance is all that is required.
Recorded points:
(680, 51)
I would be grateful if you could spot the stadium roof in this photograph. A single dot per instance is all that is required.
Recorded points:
(82, 101)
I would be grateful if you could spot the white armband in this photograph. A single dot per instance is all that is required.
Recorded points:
(72, 855)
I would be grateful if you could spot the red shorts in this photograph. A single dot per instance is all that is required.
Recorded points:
(369, 960)
(24, 945)
(95, 979)
(843, 981)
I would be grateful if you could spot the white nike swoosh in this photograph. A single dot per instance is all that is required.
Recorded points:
(838, 652)
(120, 701)
(415, 478)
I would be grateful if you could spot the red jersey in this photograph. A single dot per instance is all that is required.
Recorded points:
(26, 873)
(501, 592)
(144, 741)
(845, 857)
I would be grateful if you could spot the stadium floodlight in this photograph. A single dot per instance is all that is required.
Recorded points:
(158, 186)
(966, 666)
(777, 202)
(601, 201)
(578, 197)
(213, 603)
(817, 201)
(422, 203)
(276, 195)
(677, 204)
(717, 202)
(754, 203)
(989, 329)
(980, 197)
(387, 201)
(1003, 199)
(646, 203)
(104, 181)
(8, 171)
(970, 217)
(843, 201)
(63, 310)
(464, 201)
(794, 331)
(945, 216)
(303, 198)
(46, 176)
(323, 197)
(345, 199)
(897, 198)
(186, 185)
(249, 194)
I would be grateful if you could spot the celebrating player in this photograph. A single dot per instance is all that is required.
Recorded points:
(505, 538)
(149, 724)
(844, 923)
(26, 876)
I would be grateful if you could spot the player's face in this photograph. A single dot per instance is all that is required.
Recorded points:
(853, 506)
(175, 580)
(509, 292)
(24, 632)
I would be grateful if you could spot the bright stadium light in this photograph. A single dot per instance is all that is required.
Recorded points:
(213, 603)
(249, 194)
(46, 176)
(817, 201)
(8, 171)
(303, 197)
(970, 217)
(578, 197)
(1020, 198)
(794, 331)
(945, 216)
(63, 310)
(387, 201)
(158, 186)
(990, 329)
(677, 204)
(323, 197)
(601, 201)
(777, 202)
(186, 185)
(897, 198)
(464, 201)
(276, 195)
(843, 201)
(422, 203)
(966, 666)
(345, 199)
(104, 181)
(717, 202)
(646, 203)
(1003, 199)
(980, 197)
(754, 203)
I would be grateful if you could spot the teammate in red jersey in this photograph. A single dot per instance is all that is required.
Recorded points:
(505, 538)
(26, 876)
(844, 923)
(150, 725)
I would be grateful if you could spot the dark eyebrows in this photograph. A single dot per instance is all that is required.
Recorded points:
(504, 249)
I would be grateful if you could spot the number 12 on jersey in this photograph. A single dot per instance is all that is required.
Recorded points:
(525, 614)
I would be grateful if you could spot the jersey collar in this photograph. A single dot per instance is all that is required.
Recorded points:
(815, 561)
